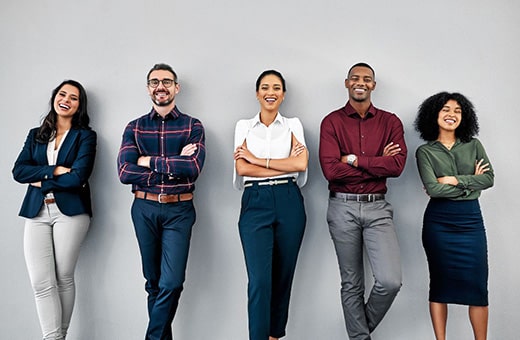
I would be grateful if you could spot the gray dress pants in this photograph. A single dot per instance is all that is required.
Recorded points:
(353, 225)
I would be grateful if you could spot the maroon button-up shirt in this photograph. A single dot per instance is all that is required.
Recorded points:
(344, 132)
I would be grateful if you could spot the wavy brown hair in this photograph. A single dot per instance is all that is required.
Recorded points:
(80, 120)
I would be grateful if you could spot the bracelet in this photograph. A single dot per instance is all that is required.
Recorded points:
(267, 163)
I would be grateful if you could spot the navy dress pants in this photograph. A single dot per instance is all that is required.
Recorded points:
(163, 232)
(271, 225)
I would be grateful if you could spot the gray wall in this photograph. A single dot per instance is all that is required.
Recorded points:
(218, 49)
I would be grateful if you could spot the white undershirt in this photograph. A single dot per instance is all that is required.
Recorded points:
(52, 150)
(52, 154)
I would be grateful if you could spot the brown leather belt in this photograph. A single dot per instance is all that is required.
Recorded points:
(163, 198)
(357, 197)
(49, 200)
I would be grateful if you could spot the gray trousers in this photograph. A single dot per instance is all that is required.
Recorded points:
(52, 243)
(353, 225)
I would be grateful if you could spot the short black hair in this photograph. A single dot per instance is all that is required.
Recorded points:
(162, 66)
(267, 73)
(361, 64)
(427, 116)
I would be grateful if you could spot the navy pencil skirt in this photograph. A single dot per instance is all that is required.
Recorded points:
(454, 239)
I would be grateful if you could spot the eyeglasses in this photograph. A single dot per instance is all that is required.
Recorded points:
(166, 82)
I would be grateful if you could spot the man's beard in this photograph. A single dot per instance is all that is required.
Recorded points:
(165, 103)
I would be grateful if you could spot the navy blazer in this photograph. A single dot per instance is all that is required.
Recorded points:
(71, 190)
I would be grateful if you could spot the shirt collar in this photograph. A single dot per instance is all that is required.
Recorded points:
(350, 111)
(278, 119)
(173, 114)
(436, 142)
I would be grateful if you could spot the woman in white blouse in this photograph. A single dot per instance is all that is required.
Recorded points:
(270, 166)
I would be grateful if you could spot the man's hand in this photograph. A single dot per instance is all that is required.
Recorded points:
(189, 149)
(391, 149)
(343, 159)
(144, 161)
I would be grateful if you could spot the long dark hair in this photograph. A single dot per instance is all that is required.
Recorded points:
(426, 120)
(80, 120)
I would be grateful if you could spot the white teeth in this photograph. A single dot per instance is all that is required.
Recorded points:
(64, 106)
(270, 100)
(359, 90)
(450, 121)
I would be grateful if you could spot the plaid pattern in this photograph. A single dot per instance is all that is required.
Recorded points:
(162, 139)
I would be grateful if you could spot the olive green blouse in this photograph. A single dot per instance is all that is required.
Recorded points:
(434, 160)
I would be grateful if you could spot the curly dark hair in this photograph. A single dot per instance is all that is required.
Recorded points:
(426, 120)
(80, 120)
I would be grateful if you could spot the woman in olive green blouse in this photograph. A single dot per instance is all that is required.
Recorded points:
(454, 169)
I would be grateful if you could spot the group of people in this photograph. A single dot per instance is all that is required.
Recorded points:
(162, 154)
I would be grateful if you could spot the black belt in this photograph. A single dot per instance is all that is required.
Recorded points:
(357, 197)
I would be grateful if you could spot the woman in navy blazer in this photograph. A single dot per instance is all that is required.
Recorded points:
(56, 162)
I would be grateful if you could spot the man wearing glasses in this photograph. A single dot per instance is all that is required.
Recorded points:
(161, 156)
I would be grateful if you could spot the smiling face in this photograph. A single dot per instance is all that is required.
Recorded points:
(450, 116)
(360, 83)
(66, 101)
(270, 93)
(162, 95)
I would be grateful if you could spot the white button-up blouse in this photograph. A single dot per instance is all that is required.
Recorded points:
(273, 141)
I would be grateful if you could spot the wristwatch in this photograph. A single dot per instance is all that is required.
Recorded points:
(351, 159)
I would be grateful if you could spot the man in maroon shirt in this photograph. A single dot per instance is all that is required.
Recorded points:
(360, 146)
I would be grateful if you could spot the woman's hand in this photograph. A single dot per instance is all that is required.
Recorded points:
(297, 149)
(60, 170)
(451, 180)
(242, 152)
(481, 168)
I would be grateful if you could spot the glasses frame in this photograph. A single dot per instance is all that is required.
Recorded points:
(159, 81)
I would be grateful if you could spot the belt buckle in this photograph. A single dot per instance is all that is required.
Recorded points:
(159, 198)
